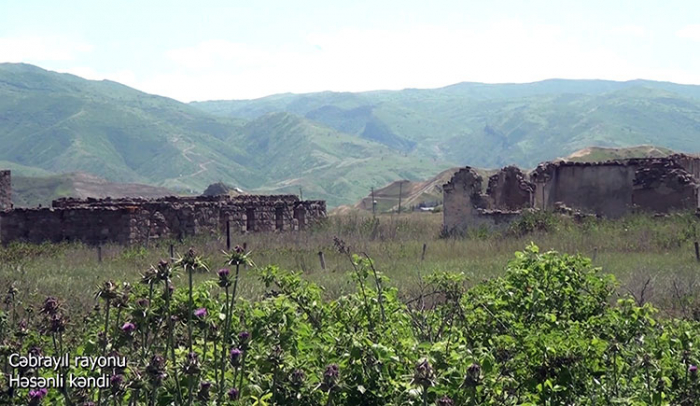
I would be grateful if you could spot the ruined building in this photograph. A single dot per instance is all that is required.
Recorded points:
(135, 220)
(608, 189)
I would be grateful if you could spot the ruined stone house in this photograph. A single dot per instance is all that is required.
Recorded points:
(133, 220)
(607, 189)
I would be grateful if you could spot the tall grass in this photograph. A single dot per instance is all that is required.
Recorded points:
(636, 249)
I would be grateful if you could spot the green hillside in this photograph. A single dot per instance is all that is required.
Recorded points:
(496, 125)
(62, 123)
(335, 146)
(325, 163)
(53, 123)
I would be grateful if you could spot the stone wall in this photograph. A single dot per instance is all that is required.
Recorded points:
(91, 225)
(5, 190)
(509, 189)
(664, 185)
(461, 199)
(136, 220)
(465, 207)
(608, 189)
(689, 163)
(613, 188)
(600, 188)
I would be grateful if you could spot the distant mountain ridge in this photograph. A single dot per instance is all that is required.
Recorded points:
(328, 145)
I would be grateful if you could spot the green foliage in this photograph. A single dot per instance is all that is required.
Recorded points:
(534, 221)
(547, 332)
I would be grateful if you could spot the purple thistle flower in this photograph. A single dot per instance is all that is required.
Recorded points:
(224, 278)
(201, 312)
(243, 337)
(235, 357)
(38, 393)
(330, 377)
(238, 249)
(693, 371)
(232, 394)
(116, 382)
(50, 306)
(445, 401)
(143, 302)
(203, 394)
(36, 396)
(128, 327)
(297, 377)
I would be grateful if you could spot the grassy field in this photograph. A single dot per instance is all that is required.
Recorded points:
(652, 257)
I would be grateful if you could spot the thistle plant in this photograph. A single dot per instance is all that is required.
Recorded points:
(164, 272)
(424, 376)
(238, 257)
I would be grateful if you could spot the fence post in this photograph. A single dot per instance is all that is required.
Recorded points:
(697, 251)
(172, 252)
(422, 255)
(99, 253)
(323, 260)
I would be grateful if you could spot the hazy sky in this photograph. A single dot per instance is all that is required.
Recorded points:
(216, 49)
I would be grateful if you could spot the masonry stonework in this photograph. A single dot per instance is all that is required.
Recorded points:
(128, 221)
(607, 189)
(465, 206)
(509, 189)
(5, 190)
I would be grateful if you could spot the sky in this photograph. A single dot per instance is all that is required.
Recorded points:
(233, 49)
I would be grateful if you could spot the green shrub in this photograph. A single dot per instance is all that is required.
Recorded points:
(546, 333)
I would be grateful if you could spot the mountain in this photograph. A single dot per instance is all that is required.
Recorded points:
(52, 123)
(325, 163)
(62, 123)
(491, 126)
(329, 145)
(34, 191)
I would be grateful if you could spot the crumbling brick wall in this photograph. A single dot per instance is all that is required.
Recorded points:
(5, 190)
(461, 199)
(464, 206)
(136, 220)
(691, 164)
(509, 189)
(663, 185)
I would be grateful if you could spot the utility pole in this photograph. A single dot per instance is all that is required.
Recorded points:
(374, 205)
(400, 192)
(301, 195)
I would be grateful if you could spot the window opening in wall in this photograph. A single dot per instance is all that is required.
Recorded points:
(250, 218)
(279, 218)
